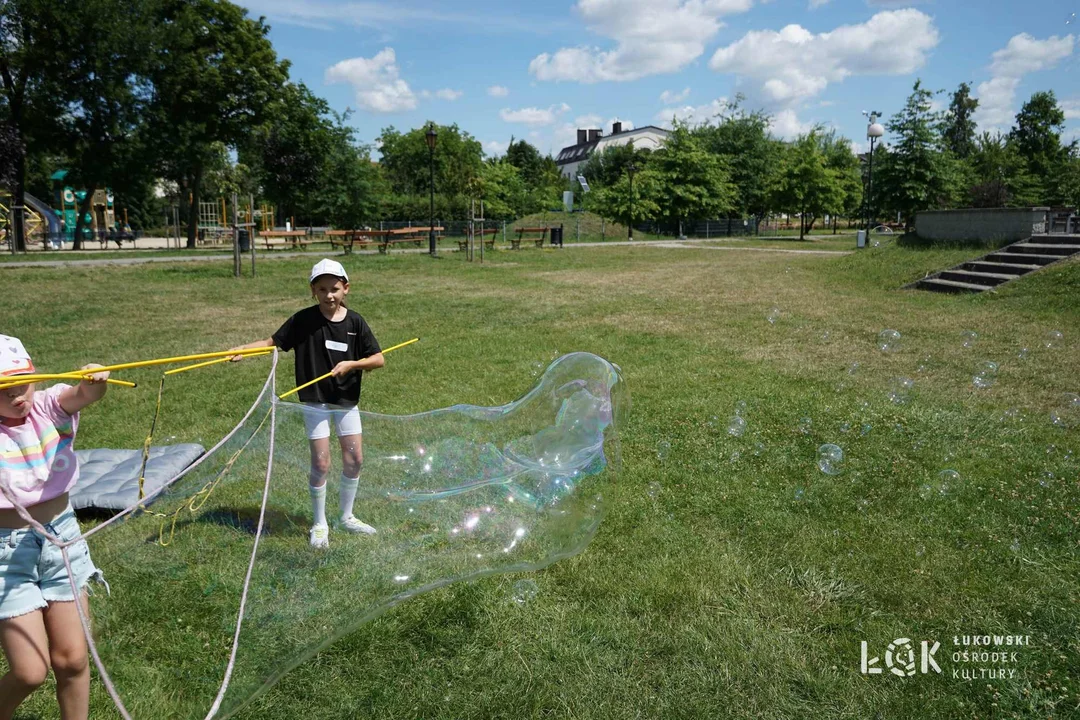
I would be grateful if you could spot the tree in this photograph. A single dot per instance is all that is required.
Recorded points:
(1037, 137)
(614, 202)
(106, 94)
(214, 74)
(958, 125)
(808, 186)
(693, 182)
(608, 166)
(352, 190)
(751, 154)
(501, 186)
(914, 175)
(31, 74)
(1000, 177)
(842, 162)
(288, 153)
(405, 160)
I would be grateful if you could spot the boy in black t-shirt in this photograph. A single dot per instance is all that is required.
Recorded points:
(329, 337)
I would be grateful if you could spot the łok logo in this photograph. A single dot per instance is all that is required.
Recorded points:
(900, 658)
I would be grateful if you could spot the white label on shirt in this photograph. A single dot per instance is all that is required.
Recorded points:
(340, 347)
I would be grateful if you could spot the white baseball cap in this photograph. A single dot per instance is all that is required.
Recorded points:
(14, 360)
(328, 267)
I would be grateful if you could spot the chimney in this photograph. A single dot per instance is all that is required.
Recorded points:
(582, 136)
(616, 128)
(594, 135)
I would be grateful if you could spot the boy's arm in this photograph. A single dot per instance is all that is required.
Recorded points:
(267, 343)
(373, 362)
(74, 399)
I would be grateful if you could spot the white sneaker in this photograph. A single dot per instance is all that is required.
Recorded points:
(356, 526)
(320, 536)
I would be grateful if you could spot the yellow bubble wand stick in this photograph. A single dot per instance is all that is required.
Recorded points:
(14, 380)
(323, 377)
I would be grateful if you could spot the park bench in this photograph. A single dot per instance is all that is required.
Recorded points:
(416, 235)
(463, 244)
(287, 238)
(348, 239)
(515, 243)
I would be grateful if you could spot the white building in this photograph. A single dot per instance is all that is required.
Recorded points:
(573, 157)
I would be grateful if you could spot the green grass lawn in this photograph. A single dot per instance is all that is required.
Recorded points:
(730, 577)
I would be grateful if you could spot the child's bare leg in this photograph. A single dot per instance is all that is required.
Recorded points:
(26, 647)
(70, 663)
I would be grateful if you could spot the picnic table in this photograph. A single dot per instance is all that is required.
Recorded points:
(348, 239)
(290, 238)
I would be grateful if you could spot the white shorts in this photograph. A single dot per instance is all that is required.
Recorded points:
(317, 420)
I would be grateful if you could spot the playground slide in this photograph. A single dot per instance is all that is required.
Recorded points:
(44, 211)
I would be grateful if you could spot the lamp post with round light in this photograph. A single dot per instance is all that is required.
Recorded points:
(873, 131)
(430, 138)
(630, 170)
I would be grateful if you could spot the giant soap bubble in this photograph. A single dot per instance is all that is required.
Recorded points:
(216, 593)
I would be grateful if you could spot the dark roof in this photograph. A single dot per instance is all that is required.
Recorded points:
(575, 153)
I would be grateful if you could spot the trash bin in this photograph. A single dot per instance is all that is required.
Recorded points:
(556, 236)
(244, 238)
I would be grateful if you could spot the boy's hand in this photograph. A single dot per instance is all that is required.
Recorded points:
(94, 378)
(236, 358)
(343, 368)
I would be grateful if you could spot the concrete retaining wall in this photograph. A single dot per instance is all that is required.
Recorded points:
(993, 227)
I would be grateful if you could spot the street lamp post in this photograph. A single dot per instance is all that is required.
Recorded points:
(630, 170)
(430, 137)
(873, 131)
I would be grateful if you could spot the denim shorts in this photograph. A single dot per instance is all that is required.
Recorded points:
(32, 571)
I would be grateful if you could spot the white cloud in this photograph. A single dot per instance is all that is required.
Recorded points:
(498, 91)
(651, 37)
(670, 98)
(1022, 55)
(626, 124)
(794, 64)
(448, 94)
(814, 4)
(588, 121)
(1071, 109)
(786, 124)
(496, 147)
(695, 115)
(376, 82)
(534, 116)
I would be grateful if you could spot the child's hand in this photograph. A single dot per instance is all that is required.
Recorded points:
(94, 378)
(236, 358)
(343, 368)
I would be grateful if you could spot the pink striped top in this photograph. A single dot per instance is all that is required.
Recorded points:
(37, 458)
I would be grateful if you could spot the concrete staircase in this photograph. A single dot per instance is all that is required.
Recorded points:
(1001, 266)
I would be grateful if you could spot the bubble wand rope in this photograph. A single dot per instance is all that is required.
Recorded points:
(323, 377)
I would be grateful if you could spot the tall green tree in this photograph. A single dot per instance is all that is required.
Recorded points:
(808, 186)
(503, 189)
(958, 125)
(214, 74)
(32, 72)
(458, 159)
(352, 190)
(750, 152)
(608, 166)
(914, 175)
(999, 175)
(1037, 137)
(693, 182)
(106, 96)
(630, 202)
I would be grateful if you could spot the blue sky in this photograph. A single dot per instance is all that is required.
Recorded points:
(538, 70)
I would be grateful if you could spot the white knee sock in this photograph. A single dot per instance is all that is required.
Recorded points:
(318, 503)
(347, 495)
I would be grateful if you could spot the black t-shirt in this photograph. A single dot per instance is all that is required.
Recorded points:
(320, 345)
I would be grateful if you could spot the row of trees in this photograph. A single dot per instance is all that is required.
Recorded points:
(731, 166)
(187, 98)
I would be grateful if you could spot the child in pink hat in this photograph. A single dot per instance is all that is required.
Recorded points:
(39, 624)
